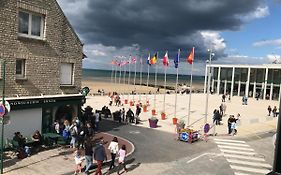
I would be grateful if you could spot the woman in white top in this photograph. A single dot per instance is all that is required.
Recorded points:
(113, 147)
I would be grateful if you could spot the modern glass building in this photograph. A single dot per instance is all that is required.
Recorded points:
(263, 81)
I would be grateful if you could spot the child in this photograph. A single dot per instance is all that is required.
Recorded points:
(121, 160)
(78, 161)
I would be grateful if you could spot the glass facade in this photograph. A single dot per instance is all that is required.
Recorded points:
(257, 81)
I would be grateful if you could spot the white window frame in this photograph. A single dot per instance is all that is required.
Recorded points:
(23, 69)
(64, 82)
(29, 35)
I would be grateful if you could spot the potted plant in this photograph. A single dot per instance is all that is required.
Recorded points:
(153, 122)
(163, 115)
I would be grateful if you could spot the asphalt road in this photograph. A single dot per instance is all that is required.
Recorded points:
(153, 146)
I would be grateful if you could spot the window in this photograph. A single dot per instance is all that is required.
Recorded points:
(66, 75)
(31, 25)
(20, 68)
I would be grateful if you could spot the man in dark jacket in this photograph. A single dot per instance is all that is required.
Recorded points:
(130, 115)
(100, 156)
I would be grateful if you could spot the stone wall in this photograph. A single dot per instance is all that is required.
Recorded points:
(43, 57)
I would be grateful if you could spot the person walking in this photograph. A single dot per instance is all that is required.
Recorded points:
(88, 155)
(73, 132)
(100, 156)
(223, 98)
(123, 114)
(274, 111)
(113, 147)
(78, 161)
(121, 159)
(97, 120)
(138, 111)
(269, 110)
(229, 122)
(130, 115)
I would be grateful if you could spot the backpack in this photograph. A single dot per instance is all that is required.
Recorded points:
(73, 132)
(65, 134)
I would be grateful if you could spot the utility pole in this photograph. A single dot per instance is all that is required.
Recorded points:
(277, 156)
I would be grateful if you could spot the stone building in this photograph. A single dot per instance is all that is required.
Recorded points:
(257, 81)
(43, 57)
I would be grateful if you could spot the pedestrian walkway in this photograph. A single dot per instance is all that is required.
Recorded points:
(61, 159)
(242, 158)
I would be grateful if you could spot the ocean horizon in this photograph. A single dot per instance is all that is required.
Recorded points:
(108, 76)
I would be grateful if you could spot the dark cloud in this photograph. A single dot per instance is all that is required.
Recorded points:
(157, 24)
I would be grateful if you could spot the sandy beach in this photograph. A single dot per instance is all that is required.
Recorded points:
(125, 88)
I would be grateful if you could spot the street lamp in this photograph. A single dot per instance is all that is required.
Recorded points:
(211, 54)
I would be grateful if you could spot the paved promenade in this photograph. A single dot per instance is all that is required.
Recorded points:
(254, 116)
(155, 150)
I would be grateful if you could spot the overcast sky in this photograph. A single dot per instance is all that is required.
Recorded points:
(237, 31)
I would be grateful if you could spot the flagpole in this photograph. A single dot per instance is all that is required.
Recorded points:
(165, 89)
(135, 80)
(125, 72)
(190, 92)
(120, 74)
(176, 92)
(129, 71)
(140, 78)
(111, 78)
(155, 85)
(147, 75)
(177, 79)
(148, 66)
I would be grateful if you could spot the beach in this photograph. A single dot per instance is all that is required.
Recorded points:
(105, 79)
(107, 86)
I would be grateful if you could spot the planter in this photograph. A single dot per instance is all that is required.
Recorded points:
(175, 120)
(153, 111)
(153, 123)
(126, 101)
(163, 116)
(144, 108)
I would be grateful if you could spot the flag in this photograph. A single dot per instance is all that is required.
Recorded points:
(177, 59)
(134, 60)
(113, 62)
(154, 59)
(166, 59)
(190, 57)
(148, 60)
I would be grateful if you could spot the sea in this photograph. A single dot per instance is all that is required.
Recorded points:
(141, 78)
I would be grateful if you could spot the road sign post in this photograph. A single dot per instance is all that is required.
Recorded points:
(2, 123)
(277, 156)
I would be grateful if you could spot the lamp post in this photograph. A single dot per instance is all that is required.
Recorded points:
(211, 54)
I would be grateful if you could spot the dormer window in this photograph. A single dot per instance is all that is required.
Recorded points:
(31, 25)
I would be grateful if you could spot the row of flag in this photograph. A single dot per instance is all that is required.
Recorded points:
(153, 60)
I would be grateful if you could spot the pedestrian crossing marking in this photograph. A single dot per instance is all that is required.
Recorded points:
(238, 152)
(236, 148)
(232, 144)
(249, 163)
(236, 173)
(253, 170)
(228, 140)
(243, 157)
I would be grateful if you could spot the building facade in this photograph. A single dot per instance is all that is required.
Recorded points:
(43, 58)
(262, 81)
